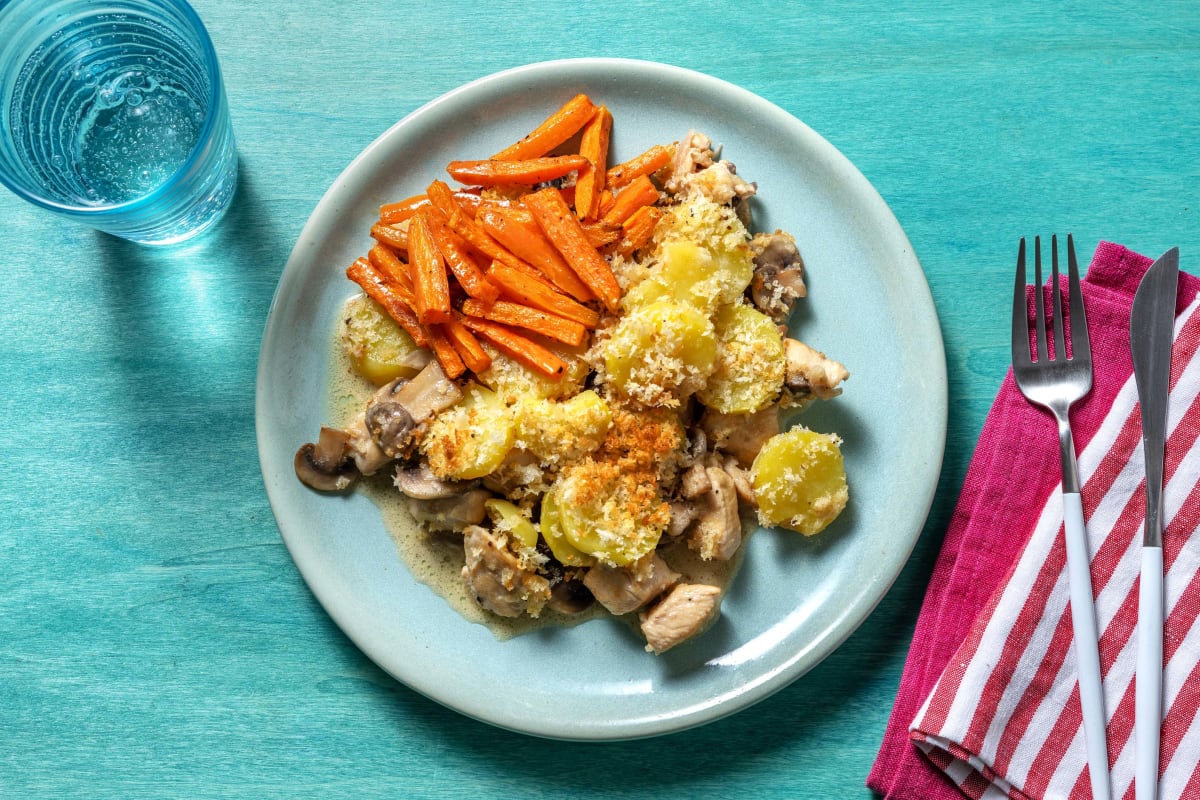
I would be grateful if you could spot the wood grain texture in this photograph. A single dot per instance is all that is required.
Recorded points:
(155, 638)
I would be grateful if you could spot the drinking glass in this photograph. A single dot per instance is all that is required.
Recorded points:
(113, 114)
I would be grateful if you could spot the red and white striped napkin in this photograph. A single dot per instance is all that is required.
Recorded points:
(1003, 719)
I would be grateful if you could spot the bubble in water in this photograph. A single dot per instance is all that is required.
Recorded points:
(129, 149)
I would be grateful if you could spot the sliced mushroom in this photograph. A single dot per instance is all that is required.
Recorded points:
(810, 374)
(625, 589)
(420, 483)
(741, 435)
(451, 513)
(778, 274)
(429, 392)
(683, 612)
(397, 410)
(570, 597)
(327, 465)
(368, 456)
(496, 578)
(717, 533)
(391, 426)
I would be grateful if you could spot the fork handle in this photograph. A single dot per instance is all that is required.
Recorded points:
(1087, 649)
(1148, 684)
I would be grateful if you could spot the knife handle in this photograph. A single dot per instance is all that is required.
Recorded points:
(1148, 685)
(1087, 649)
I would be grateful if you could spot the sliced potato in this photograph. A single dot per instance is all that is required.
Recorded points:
(471, 439)
(551, 525)
(508, 518)
(662, 353)
(379, 349)
(606, 514)
(799, 480)
(750, 365)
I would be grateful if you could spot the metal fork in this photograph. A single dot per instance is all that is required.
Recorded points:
(1055, 384)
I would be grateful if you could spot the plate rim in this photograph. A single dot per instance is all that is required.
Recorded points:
(845, 624)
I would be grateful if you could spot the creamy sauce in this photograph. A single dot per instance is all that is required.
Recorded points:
(437, 560)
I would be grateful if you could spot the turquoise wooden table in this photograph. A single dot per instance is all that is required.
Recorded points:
(156, 639)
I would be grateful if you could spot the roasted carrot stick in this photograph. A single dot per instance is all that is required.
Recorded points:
(516, 229)
(382, 290)
(606, 199)
(468, 201)
(600, 235)
(533, 291)
(511, 208)
(647, 163)
(448, 201)
(454, 251)
(466, 345)
(593, 146)
(527, 172)
(637, 230)
(568, 193)
(561, 227)
(519, 316)
(395, 238)
(444, 352)
(384, 259)
(532, 274)
(508, 341)
(391, 213)
(481, 241)
(554, 130)
(640, 192)
(431, 288)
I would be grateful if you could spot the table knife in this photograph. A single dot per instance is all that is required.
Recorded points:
(1151, 329)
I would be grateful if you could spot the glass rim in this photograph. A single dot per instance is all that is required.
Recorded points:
(213, 68)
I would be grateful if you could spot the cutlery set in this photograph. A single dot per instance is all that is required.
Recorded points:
(1055, 381)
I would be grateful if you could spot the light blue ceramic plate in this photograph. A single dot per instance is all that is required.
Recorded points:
(795, 599)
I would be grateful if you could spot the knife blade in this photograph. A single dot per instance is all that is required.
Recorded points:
(1151, 332)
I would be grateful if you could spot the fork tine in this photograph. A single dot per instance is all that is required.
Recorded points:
(1060, 346)
(1080, 347)
(1039, 314)
(1020, 320)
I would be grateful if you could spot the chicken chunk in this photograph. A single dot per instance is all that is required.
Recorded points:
(741, 435)
(625, 589)
(683, 612)
(692, 154)
(497, 577)
(810, 374)
(717, 532)
(695, 169)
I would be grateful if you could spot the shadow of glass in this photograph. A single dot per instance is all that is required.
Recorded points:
(187, 323)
